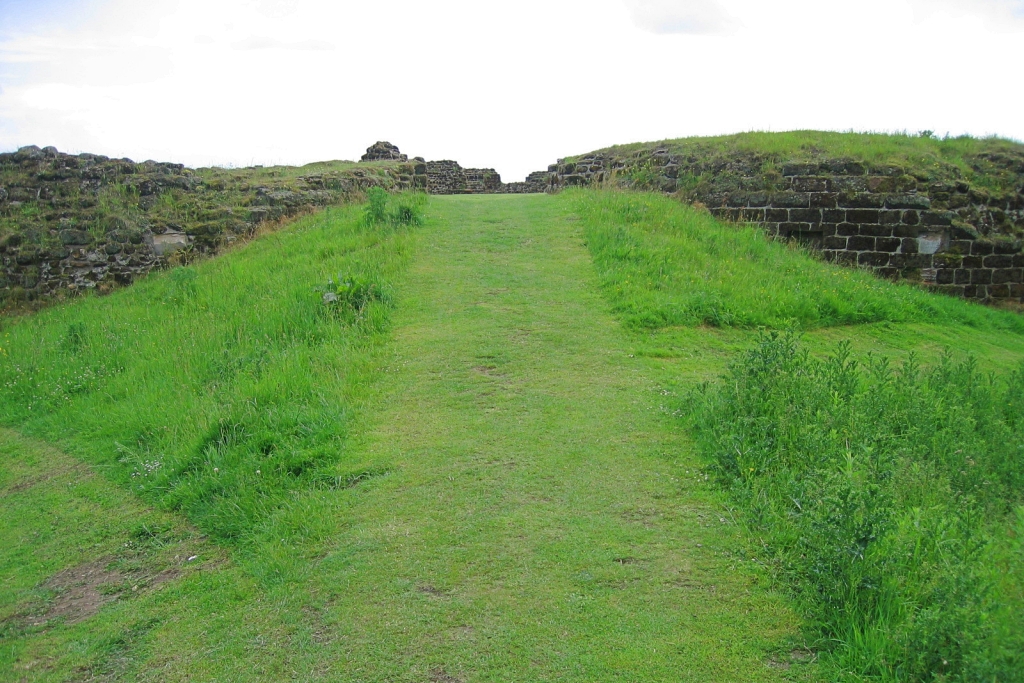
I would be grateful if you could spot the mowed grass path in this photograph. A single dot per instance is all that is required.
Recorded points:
(543, 521)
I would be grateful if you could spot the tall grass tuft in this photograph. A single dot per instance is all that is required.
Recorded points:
(890, 498)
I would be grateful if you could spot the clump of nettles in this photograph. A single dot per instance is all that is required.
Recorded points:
(395, 210)
(352, 292)
(890, 496)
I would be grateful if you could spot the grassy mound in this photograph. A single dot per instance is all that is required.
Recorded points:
(666, 264)
(216, 389)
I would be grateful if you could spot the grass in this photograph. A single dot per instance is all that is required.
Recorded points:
(506, 500)
(665, 264)
(885, 492)
(213, 390)
(493, 475)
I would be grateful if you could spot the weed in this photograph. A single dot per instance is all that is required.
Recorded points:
(884, 495)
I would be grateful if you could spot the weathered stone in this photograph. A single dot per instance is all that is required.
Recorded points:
(861, 243)
(908, 201)
(74, 237)
(791, 200)
(383, 151)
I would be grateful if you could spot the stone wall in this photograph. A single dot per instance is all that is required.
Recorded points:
(948, 235)
(83, 222)
(448, 177)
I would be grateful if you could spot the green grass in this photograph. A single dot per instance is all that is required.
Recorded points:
(889, 497)
(213, 390)
(665, 264)
(482, 474)
(510, 503)
(886, 494)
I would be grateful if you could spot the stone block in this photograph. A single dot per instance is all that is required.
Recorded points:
(981, 276)
(810, 184)
(862, 215)
(757, 199)
(971, 291)
(908, 201)
(74, 237)
(898, 260)
(981, 248)
(873, 259)
(961, 246)
(945, 276)
(890, 217)
(776, 215)
(1017, 290)
(805, 215)
(962, 276)
(736, 199)
(973, 262)
(861, 201)
(937, 218)
(875, 230)
(881, 184)
(1018, 260)
(827, 229)
(1001, 276)
(888, 244)
(846, 167)
(889, 272)
(834, 215)
(834, 242)
(999, 291)
(800, 169)
(911, 217)
(998, 261)
(850, 184)
(860, 243)
(908, 245)
(903, 230)
(1016, 275)
(791, 200)
(847, 229)
(1002, 247)
(824, 200)
(919, 260)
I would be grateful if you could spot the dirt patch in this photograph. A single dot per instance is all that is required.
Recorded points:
(82, 591)
(625, 560)
(488, 370)
(439, 675)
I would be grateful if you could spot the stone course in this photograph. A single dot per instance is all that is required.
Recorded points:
(947, 235)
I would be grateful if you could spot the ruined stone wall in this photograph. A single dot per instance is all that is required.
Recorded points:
(942, 234)
(448, 177)
(88, 222)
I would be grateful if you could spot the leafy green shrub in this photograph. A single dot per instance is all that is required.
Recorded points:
(888, 497)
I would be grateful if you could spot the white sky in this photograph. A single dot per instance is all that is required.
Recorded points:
(512, 85)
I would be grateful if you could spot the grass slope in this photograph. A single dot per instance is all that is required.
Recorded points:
(885, 493)
(535, 522)
(491, 480)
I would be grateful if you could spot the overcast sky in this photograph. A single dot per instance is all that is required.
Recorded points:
(492, 82)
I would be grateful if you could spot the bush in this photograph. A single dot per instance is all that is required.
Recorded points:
(888, 497)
